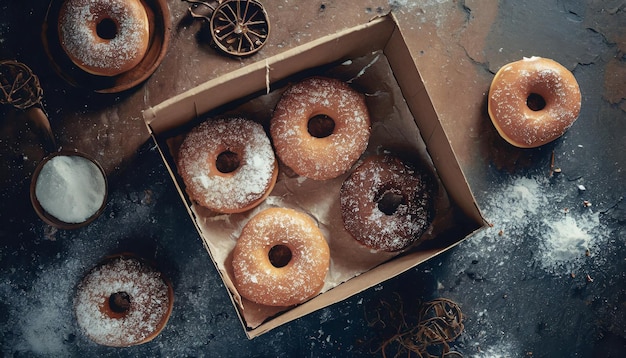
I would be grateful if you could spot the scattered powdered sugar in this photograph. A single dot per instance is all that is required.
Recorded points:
(509, 208)
(503, 350)
(70, 188)
(39, 322)
(568, 240)
(413, 3)
(481, 345)
(562, 233)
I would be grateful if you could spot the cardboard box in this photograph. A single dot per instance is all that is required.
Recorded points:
(374, 59)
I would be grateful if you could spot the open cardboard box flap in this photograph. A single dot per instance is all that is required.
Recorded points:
(380, 34)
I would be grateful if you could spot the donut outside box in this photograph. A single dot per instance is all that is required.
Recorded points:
(533, 101)
(290, 99)
(123, 301)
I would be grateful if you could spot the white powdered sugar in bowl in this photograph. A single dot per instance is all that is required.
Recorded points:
(68, 189)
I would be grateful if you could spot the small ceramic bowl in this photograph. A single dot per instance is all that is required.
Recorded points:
(51, 219)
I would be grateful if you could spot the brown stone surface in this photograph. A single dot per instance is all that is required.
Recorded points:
(457, 44)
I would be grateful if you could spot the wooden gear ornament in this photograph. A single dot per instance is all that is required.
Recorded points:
(238, 27)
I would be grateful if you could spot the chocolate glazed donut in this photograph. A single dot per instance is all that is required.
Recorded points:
(387, 204)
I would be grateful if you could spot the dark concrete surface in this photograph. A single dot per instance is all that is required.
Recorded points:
(547, 280)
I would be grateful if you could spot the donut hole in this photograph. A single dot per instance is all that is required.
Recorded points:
(321, 126)
(279, 255)
(227, 162)
(106, 29)
(119, 302)
(535, 102)
(390, 201)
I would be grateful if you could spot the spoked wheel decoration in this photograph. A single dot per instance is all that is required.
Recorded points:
(238, 27)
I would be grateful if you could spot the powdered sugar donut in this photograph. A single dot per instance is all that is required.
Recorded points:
(533, 101)
(228, 164)
(123, 302)
(387, 204)
(320, 127)
(281, 258)
(104, 37)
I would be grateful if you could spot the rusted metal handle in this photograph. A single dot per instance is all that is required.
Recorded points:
(41, 126)
(20, 88)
